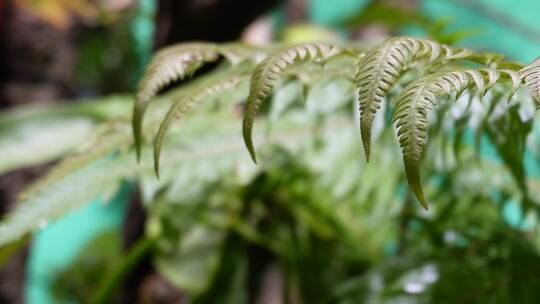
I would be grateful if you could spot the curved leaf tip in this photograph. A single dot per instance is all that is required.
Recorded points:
(531, 76)
(268, 72)
(157, 153)
(413, 178)
(156, 166)
(247, 128)
(365, 133)
(136, 124)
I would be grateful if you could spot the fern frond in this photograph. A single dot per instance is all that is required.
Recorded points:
(110, 137)
(20, 142)
(415, 102)
(180, 108)
(269, 71)
(382, 67)
(169, 65)
(531, 76)
(514, 77)
(58, 199)
(177, 63)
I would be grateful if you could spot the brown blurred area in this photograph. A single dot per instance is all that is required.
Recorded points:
(37, 52)
(208, 20)
(36, 61)
(39, 45)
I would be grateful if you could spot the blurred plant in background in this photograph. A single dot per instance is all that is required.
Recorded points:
(313, 223)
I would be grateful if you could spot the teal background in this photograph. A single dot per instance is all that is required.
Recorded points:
(58, 244)
(508, 27)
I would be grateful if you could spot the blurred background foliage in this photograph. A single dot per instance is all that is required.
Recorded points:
(313, 223)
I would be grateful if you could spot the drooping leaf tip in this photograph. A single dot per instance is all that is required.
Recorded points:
(249, 145)
(137, 136)
(367, 152)
(247, 127)
(156, 167)
(424, 204)
(365, 133)
(138, 152)
(252, 154)
(419, 194)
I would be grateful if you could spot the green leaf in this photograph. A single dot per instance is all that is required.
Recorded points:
(179, 62)
(415, 102)
(53, 138)
(193, 264)
(531, 76)
(184, 105)
(381, 68)
(168, 65)
(269, 71)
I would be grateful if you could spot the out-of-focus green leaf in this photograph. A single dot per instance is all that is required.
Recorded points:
(81, 278)
(35, 135)
(41, 141)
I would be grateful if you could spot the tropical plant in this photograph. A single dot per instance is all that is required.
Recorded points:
(329, 224)
(443, 70)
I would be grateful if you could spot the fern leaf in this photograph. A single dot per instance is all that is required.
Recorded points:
(516, 79)
(52, 137)
(180, 108)
(478, 80)
(493, 76)
(531, 76)
(59, 198)
(110, 137)
(169, 65)
(415, 102)
(382, 67)
(177, 63)
(269, 71)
